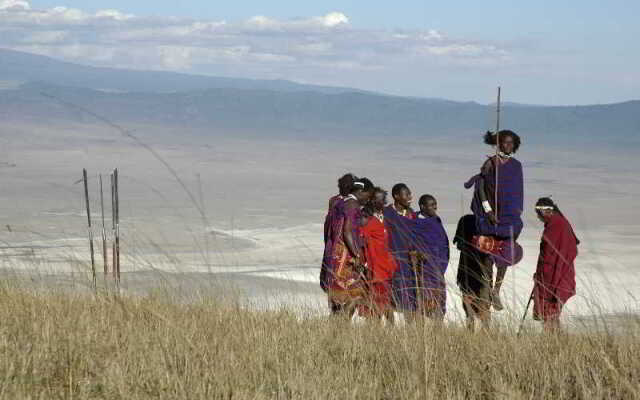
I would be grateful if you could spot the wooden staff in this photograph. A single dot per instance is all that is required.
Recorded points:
(86, 200)
(104, 232)
(113, 230)
(497, 150)
(117, 239)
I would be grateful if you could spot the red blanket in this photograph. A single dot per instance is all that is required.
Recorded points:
(555, 277)
(379, 258)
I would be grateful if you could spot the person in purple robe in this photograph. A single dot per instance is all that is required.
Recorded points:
(336, 203)
(397, 220)
(498, 212)
(345, 184)
(432, 246)
(346, 286)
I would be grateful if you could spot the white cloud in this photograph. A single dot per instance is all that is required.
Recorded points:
(333, 19)
(115, 14)
(310, 48)
(14, 5)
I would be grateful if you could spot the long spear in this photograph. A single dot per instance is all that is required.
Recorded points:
(86, 200)
(497, 150)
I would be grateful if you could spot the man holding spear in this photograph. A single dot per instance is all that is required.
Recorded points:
(497, 206)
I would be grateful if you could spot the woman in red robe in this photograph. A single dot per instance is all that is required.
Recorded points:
(555, 277)
(380, 262)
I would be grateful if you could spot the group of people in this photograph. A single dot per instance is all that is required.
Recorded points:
(380, 258)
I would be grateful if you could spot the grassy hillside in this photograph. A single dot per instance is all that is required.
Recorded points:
(69, 345)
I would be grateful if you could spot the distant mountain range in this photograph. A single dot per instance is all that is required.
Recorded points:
(283, 108)
(20, 67)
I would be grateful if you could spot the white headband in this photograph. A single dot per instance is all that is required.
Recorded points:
(358, 183)
(545, 208)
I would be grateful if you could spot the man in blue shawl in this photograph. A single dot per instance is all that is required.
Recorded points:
(498, 212)
(432, 245)
(397, 220)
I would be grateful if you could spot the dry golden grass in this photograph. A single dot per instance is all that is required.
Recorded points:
(56, 344)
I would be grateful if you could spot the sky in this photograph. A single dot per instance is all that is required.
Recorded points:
(543, 52)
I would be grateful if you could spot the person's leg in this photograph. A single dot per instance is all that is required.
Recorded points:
(483, 302)
(469, 311)
(552, 317)
(334, 307)
(495, 294)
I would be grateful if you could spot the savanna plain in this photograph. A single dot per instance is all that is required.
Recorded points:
(221, 242)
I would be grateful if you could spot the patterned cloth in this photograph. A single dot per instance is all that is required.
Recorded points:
(344, 282)
(336, 204)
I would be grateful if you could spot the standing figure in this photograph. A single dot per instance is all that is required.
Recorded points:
(345, 184)
(432, 259)
(346, 286)
(498, 218)
(555, 277)
(380, 262)
(474, 274)
(397, 218)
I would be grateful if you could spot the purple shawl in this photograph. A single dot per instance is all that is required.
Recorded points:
(510, 199)
(333, 228)
(432, 240)
(401, 241)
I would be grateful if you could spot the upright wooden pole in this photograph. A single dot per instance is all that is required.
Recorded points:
(117, 202)
(113, 231)
(86, 200)
(104, 233)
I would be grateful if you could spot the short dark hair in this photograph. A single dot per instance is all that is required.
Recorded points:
(491, 137)
(426, 197)
(345, 183)
(368, 185)
(363, 184)
(368, 208)
(547, 202)
(378, 189)
(395, 190)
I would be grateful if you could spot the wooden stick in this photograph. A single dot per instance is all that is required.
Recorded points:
(86, 200)
(497, 149)
(104, 233)
(117, 202)
(113, 230)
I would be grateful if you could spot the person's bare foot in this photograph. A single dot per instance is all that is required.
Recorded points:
(495, 301)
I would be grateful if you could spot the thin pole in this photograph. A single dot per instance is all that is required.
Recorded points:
(113, 230)
(104, 232)
(497, 150)
(115, 181)
(512, 243)
(526, 310)
(86, 200)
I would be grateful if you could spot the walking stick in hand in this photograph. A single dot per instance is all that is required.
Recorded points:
(526, 310)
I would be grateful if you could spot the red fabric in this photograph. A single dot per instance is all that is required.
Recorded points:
(487, 244)
(555, 277)
(544, 310)
(379, 259)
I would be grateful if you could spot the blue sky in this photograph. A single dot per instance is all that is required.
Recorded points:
(552, 52)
